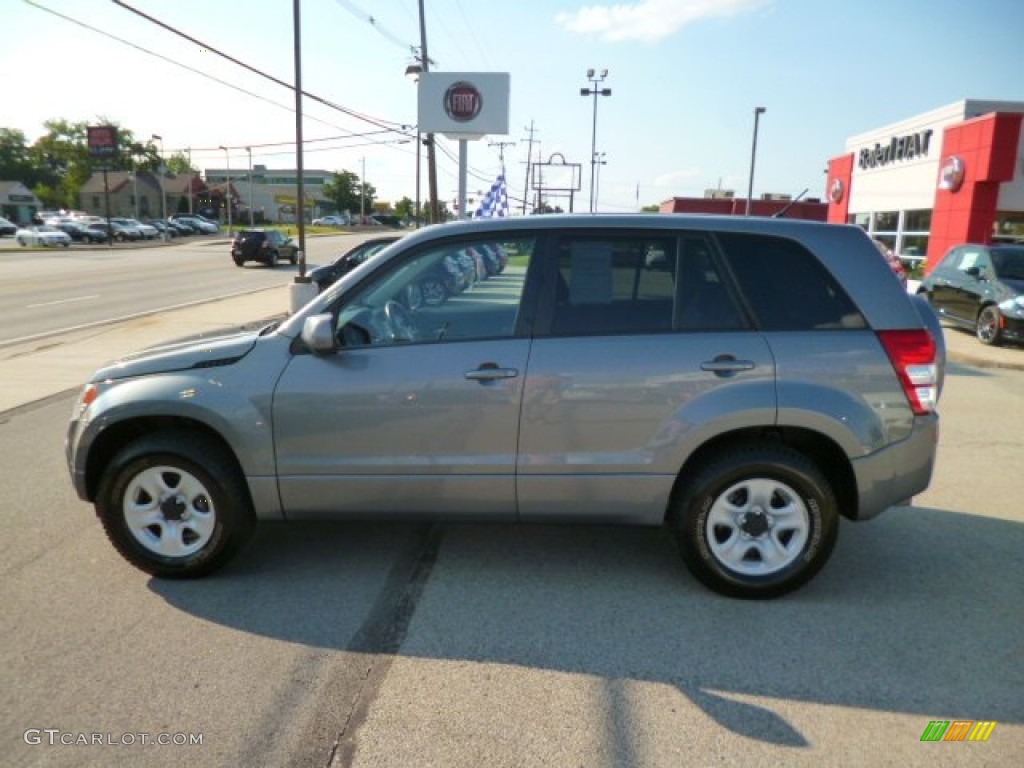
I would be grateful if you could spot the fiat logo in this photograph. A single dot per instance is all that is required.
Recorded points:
(836, 192)
(951, 175)
(462, 101)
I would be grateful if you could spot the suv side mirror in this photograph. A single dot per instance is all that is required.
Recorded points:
(318, 334)
(974, 272)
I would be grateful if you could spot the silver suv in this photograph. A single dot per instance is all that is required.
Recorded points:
(744, 381)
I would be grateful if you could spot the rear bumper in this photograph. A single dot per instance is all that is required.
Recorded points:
(895, 474)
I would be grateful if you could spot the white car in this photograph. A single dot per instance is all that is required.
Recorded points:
(42, 235)
(332, 220)
(149, 232)
(205, 226)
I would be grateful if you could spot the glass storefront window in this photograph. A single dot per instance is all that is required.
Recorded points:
(917, 221)
(887, 221)
(862, 220)
(913, 247)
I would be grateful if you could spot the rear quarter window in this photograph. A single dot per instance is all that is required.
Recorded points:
(785, 286)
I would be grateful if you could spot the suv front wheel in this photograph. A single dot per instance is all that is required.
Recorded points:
(175, 505)
(757, 521)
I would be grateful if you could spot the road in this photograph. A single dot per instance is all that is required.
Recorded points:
(45, 292)
(468, 645)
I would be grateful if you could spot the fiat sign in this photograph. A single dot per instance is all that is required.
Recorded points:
(462, 101)
(464, 104)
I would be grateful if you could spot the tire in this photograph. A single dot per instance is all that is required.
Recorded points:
(204, 517)
(294, 258)
(21, 242)
(238, 261)
(987, 328)
(751, 502)
(272, 263)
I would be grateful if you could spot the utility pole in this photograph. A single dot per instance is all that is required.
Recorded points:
(501, 150)
(435, 209)
(529, 165)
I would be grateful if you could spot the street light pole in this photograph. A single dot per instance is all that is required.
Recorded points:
(594, 91)
(251, 223)
(227, 188)
(414, 71)
(758, 111)
(163, 193)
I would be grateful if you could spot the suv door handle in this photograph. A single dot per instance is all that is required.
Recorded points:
(491, 371)
(726, 365)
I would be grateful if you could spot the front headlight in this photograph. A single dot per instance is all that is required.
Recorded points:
(1014, 305)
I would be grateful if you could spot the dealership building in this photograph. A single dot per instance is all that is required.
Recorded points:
(944, 177)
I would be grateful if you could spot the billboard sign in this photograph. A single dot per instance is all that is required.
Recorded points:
(464, 104)
(102, 141)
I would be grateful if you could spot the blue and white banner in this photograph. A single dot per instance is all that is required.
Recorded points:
(495, 202)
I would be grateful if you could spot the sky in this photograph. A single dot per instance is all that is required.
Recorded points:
(685, 75)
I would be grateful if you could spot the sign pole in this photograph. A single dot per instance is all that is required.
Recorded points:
(463, 168)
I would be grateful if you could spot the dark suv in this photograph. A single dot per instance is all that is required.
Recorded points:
(744, 382)
(267, 246)
(981, 288)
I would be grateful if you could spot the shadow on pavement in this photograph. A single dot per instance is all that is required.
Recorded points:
(918, 612)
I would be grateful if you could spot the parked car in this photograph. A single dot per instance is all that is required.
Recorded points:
(7, 228)
(332, 220)
(981, 288)
(267, 246)
(41, 234)
(327, 274)
(80, 232)
(197, 222)
(743, 381)
(164, 230)
(149, 232)
(182, 227)
(120, 233)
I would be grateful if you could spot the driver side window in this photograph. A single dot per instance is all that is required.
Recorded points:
(462, 290)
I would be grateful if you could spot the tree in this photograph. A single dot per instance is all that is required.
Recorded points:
(343, 190)
(405, 208)
(178, 164)
(650, 209)
(63, 162)
(16, 159)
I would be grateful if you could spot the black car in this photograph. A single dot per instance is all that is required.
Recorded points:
(327, 274)
(264, 245)
(81, 233)
(7, 227)
(981, 287)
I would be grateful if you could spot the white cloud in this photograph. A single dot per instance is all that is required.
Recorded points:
(650, 20)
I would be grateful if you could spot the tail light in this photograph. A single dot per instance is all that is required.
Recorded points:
(912, 354)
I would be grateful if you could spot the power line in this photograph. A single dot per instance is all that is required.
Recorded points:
(278, 81)
(178, 64)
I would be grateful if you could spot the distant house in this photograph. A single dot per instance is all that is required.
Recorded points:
(17, 202)
(139, 194)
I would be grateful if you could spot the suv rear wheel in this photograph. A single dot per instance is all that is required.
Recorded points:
(756, 521)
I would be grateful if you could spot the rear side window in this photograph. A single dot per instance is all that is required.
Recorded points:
(785, 285)
(610, 284)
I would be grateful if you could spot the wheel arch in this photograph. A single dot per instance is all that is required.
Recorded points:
(820, 449)
(115, 437)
